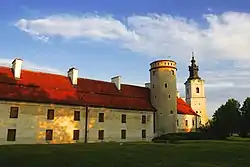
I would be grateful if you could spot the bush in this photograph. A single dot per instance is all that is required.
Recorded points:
(184, 136)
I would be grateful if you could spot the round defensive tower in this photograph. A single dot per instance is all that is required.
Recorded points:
(163, 95)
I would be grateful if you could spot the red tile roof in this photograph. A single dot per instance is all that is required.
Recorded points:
(184, 108)
(52, 88)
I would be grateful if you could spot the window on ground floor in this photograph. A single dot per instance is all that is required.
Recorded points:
(143, 134)
(76, 135)
(193, 122)
(186, 122)
(11, 135)
(49, 134)
(177, 122)
(100, 134)
(123, 134)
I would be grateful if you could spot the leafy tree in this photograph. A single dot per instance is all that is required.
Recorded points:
(226, 119)
(245, 118)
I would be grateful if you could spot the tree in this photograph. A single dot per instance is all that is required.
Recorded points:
(226, 119)
(245, 118)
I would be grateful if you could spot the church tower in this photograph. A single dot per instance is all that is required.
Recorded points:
(195, 91)
(163, 95)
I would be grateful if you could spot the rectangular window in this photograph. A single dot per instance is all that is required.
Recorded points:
(49, 134)
(13, 112)
(101, 117)
(143, 134)
(50, 114)
(123, 134)
(123, 118)
(143, 119)
(186, 122)
(100, 134)
(76, 115)
(193, 122)
(177, 122)
(76, 135)
(11, 136)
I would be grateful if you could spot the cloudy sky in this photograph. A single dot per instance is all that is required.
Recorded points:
(104, 38)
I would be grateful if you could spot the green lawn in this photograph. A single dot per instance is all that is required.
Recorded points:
(189, 153)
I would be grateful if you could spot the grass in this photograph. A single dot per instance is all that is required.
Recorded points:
(228, 153)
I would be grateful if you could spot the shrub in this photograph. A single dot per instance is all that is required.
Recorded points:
(184, 136)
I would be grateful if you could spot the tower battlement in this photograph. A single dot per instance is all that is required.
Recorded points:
(163, 64)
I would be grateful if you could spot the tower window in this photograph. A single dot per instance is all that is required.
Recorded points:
(169, 96)
(153, 72)
(172, 72)
(197, 90)
(153, 86)
(171, 112)
(166, 85)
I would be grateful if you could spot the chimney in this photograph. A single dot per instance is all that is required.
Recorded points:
(147, 85)
(73, 75)
(117, 81)
(17, 67)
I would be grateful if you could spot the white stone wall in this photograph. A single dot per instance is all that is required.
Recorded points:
(190, 127)
(112, 125)
(32, 123)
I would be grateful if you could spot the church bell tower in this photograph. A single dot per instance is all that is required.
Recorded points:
(195, 91)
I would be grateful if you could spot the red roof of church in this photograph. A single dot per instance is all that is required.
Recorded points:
(52, 88)
(184, 108)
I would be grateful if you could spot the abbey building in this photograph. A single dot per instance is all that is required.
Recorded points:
(38, 107)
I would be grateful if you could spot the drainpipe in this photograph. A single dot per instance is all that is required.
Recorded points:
(86, 125)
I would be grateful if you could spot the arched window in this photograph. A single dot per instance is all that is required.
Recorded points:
(197, 90)
(172, 71)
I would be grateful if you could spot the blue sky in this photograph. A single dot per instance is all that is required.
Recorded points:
(110, 37)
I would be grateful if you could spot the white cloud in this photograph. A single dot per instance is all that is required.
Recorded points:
(224, 38)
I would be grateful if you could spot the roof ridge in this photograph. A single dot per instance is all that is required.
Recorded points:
(65, 76)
